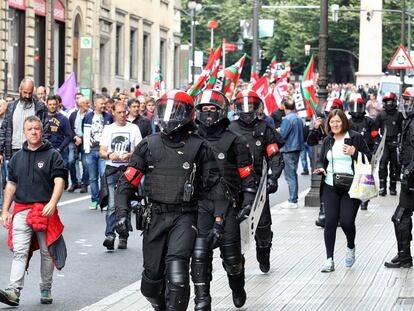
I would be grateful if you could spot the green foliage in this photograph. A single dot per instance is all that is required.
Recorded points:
(293, 29)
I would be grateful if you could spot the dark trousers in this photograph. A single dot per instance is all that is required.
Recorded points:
(403, 222)
(338, 207)
(389, 156)
(264, 233)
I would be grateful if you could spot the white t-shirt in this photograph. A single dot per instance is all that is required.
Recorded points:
(120, 140)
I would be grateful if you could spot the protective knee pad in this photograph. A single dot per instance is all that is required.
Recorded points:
(263, 236)
(233, 261)
(153, 291)
(178, 285)
(201, 262)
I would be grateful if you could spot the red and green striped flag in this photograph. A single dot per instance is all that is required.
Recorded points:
(232, 74)
(308, 89)
(254, 77)
(208, 69)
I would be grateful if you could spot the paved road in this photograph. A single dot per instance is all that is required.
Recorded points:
(91, 272)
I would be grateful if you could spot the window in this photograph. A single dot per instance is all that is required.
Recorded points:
(118, 50)
(133, 54)
(146, 58)
(16, 48)
(163, 58)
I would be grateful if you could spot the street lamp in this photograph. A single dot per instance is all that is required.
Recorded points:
(194, 7)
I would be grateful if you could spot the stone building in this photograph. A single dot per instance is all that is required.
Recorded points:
(111, 43)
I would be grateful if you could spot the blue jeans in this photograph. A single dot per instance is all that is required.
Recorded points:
(304, 154)
(72, 165)
(96, 168)
(291, 160)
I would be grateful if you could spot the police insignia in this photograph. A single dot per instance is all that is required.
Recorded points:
(186, 165)
(220, 156)
(258, 143)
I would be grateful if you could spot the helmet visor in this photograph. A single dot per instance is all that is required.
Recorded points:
(355, 106)
(246, 104)
(407, 106)
(168, 109)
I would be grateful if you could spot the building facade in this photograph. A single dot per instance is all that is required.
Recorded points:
(111, 43)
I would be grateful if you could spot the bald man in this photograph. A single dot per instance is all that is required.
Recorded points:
(41, 94)
(11, 130)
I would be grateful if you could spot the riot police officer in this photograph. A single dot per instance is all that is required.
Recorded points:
(264, 143)
(236, 167)
(402, 216)
(390, 119)
(316, 135)
(364, 125)
(179, 169)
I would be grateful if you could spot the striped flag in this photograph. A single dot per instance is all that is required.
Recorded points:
(308, 89)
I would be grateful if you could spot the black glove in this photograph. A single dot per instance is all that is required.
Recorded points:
(271, 185)
(248, 199)
(121, 227)
(216, 234)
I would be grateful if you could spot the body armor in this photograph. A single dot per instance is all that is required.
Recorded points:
(174, 167)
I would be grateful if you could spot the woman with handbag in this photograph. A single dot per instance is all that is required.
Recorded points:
(339, 150)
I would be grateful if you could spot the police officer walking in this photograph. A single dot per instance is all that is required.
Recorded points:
(179, 169)
(236, 167)
(364, 125)
(264, 143)
(390, 119)
(402, 216)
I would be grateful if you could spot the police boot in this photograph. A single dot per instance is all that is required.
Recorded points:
(364, 206)
(202, 299)
(393, 186)
(263, 246)
(154, 292)
(402, 260)
(233, 263)
(383, 188)
(320, 222)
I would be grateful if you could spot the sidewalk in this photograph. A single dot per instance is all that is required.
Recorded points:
(295, 281)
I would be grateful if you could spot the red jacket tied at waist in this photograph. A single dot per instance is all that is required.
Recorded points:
(52, 225)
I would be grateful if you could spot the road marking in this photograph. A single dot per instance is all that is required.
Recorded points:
(67, 202)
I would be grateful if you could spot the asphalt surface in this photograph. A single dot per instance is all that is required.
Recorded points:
(91, 273)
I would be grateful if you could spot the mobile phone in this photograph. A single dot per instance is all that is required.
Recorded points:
(347, 141)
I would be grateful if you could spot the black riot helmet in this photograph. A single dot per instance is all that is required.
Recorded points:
(247, 105)
(211, 116)
(357, 107)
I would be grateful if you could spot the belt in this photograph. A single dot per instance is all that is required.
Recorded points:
(173, 208)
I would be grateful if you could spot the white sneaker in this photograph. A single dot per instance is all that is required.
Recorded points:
(328, 266)
(289, 205)
(349, 257)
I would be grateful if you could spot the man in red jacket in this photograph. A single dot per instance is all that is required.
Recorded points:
(35, 184)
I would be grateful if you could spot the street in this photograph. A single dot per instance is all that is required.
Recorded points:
(91, 273)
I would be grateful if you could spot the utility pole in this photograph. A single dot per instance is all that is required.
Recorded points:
(255, 45)
(312, 199)
(193, 41)
(52, 52)
(402, 39)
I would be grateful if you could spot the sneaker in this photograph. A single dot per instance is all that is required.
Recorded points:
(84, 189)
(109, 243)
(10, 297)
(289, 205)
(123, 243)
(349, 257)
(328, 266)
(94, 205)
(46, 296)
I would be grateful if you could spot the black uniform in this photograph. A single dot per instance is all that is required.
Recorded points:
(392, 120)
(402, 216)
(235, 163)
(179, 172)
(264, 142)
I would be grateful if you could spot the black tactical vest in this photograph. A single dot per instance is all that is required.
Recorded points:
(407, 150)
(255, 137)
(391, 123)
(228, 171)
(169, 169)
